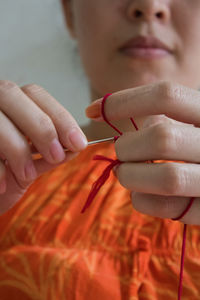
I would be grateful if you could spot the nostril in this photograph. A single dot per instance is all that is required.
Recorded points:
(159, 15)
(138, 13)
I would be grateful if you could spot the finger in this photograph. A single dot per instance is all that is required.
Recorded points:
(16, 188)
(31, 121)
(2, 178)
(156, 119)
(43, 166)
(15, 149)
(173, 100)
(166, 207)
(69, 132)
(14, 191)
(160, 141)
(168, 179)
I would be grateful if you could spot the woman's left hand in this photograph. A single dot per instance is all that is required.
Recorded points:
(159, 189)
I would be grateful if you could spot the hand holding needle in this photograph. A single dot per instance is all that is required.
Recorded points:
(37, 155)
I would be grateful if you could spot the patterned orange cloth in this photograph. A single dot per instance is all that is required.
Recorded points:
(50, 251)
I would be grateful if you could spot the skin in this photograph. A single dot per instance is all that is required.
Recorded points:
(141, 87)
(160, 189)
(167, 86)
(102, 27)
(48, 127)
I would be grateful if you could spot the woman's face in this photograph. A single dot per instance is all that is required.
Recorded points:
(164, 38)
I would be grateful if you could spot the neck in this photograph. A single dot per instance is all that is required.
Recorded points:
(99, 130)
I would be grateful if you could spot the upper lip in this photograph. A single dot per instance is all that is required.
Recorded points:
(145, 42)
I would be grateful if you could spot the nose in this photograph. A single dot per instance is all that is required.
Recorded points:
(149, 10)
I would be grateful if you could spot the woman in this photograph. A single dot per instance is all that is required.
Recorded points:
(146, 52)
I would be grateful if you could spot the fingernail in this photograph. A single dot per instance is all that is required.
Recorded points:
(77, 139)
(56, 151)
(2, 186)
(30, 171)
(94, 110)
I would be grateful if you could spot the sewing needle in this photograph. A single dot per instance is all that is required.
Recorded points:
(37, 155)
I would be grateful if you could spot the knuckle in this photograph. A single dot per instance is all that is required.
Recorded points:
(165, 139)
(17, 156)
(7, 85)
(32, 88)
(166, 88)
(169, 91)
(64, 116)
(18, 151)
(46, 127)
(173, 180)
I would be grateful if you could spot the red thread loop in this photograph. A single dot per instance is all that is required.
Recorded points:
(104, 115)
(105, 175)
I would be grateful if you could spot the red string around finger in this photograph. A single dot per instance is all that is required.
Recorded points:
(105, 175)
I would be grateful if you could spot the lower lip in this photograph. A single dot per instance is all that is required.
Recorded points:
(147, 53)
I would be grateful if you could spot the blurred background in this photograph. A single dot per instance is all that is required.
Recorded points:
(36, 48)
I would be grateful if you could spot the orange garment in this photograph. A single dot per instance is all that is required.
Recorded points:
(50, 251)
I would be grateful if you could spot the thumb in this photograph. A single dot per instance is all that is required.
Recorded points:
(43, 166)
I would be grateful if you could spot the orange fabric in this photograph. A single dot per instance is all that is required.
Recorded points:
(50, 251)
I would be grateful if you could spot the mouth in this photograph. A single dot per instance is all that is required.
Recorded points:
(145, 48)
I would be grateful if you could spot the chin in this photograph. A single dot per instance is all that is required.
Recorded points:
(112, 83)
(144, 73)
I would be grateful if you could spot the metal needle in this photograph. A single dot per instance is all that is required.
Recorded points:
(101, 141)
(37, 155)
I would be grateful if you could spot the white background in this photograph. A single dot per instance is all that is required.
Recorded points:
(35, 47)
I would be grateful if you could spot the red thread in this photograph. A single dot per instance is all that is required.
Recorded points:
(101, 180)
(104, 115)
(105, 175)
(180, 287)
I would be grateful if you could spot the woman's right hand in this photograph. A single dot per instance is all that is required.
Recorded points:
(31, 113)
